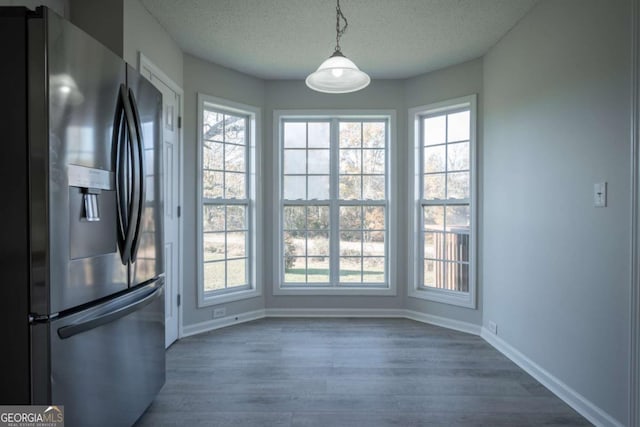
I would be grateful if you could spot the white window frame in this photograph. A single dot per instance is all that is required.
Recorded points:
(416, 290)
(391, 201)
(254, 196)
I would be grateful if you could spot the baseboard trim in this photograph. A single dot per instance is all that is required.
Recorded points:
(572, 398)
(211, 325)
(222, 322)
(431, 319)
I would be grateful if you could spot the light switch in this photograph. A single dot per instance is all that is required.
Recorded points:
(600, 194)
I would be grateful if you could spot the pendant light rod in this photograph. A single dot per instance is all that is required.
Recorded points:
(340, 32)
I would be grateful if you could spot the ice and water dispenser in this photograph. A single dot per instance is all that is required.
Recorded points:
(92, 205)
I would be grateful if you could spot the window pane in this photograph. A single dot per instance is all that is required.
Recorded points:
(433, 218)
(458, 185)
(212, 155)
(373, 243)
(434, 159)
(236, 244)
(234, 129)
(294, 218)
(319, 135)
(318, 270)
(373, 270)
(318, 243)
(433, 244)
(234, 185)
(319, 187)
(236, 272)
(350, 269)
(295, 162)
(212, 184)
(458, 156)
(350, 243)
(213, 218)
(457, 277)
(374, 218)
(350, 218)
(373, 161)
(318, 161)
(350, 187)
(295, 269)
(373, 187)
(317, 217)
(295, 187)
(373, 134)
(434, 186)
(350, 134)
(350, 161)
(214, 276)
(431, 273)
(236, 218)
(234, 157)
(213, 126)
(458, 216)
(214, 246)
(295, 135)
(457, 246)
(458, 126)
(435, 130)
(294, 244)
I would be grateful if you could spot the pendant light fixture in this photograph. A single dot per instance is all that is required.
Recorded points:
(338, 74)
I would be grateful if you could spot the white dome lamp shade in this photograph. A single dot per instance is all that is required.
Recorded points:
(338, 74)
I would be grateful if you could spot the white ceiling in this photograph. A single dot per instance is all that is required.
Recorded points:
(288, 39)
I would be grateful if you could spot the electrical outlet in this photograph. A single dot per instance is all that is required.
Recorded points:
(600, 195)
(219, 312)
(493, 327)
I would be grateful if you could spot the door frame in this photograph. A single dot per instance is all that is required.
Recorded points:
(144, 61)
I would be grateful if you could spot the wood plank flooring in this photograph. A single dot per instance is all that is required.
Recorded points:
(348, 372)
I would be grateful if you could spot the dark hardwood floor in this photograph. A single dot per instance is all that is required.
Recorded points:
(348, 372)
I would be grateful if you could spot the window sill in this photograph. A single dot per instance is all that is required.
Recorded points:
(466, 300)
(215, 299)
(339, 291)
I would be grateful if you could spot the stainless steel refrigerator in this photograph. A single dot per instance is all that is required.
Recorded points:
(81, 275)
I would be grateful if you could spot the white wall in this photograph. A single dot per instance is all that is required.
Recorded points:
(142, 33)
(557, 120)
(210, 79)
(448, 83)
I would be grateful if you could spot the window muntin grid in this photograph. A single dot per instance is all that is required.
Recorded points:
(345, 172)
(225, 206)
(445, 209)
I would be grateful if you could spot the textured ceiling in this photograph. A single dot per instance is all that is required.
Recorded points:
(288, 39)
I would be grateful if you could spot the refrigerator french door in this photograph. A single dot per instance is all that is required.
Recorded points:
(81, 298)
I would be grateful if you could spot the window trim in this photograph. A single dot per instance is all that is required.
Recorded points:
(254, 198)
(416, 264)
(391, 200)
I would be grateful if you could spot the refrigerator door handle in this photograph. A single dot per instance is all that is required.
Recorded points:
(142, 188)
(103, 318)
(120, 142)
(133, 179)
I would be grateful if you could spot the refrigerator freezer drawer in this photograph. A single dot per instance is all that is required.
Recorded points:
(107, 363)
